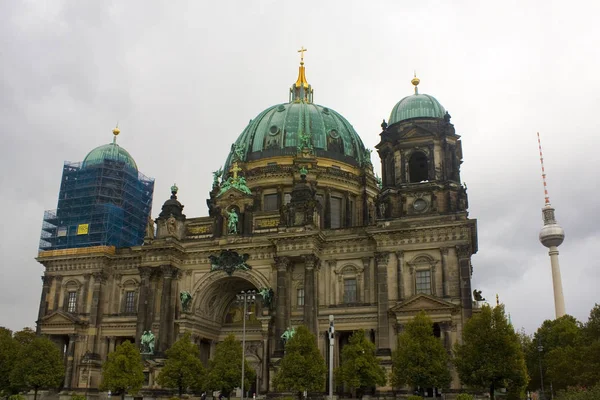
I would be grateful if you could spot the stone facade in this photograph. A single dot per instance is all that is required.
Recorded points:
(318, 231)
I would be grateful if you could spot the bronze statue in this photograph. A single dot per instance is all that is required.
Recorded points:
(232, 222)
(477, 295)
(186, 299)
(288, 334)
(147, 343)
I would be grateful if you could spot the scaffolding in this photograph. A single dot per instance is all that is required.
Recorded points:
(100, 205)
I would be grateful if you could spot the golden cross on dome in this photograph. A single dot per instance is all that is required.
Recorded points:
(235, 169)
(301, 51)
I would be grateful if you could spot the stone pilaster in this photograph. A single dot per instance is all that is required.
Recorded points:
(167, 308)
(57, 288)
(142, 321)
(96, 310)
(46, 283)
(464, 270)
(311, 262)
(83, 304)
(383, 331)
(367, 279)
(399, 274)
(282, 265)
(445, 283)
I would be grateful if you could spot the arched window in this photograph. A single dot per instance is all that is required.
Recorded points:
(418, 167)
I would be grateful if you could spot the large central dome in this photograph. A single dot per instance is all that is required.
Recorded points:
(285, 129)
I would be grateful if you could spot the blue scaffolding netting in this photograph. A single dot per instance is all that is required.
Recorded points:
(107, 204)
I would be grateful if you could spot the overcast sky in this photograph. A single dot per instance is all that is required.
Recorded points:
(184, 78)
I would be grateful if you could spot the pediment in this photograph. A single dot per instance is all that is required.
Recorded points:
(423, 302)
(60, 318)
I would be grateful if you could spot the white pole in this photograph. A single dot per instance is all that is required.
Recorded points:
(331, 336)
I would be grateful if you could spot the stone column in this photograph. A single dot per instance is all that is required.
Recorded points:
(445, 283)
(332, 284)
(142, 315)
(310, 294)
(367, 279)
(383, 330)
(69, 368)
(281, 301)
(57, 287)
(167, 308)
(46, 282)
(399, 272)
(327, 211)
(464, 269)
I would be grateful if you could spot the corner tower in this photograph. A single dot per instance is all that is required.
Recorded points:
(103, 201)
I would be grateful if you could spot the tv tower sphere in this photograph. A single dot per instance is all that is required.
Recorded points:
(551, 234)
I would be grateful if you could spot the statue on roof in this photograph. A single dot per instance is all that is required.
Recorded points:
(240, 184)
(267, 296)
(304, 141)
(477, 295)
(216, 175)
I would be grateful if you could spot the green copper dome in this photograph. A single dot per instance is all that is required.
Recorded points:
(111, 151)
(416, 106)
(284, 128)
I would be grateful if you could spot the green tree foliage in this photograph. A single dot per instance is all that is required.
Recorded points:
(360, 367)
(183, 369)
(491, 356)
(123, 371)
(8, 355)
(225, 369)
(302, 367)
(39, 365)
(559, 339)
(25, 336)
(580, 393)
(420, 359)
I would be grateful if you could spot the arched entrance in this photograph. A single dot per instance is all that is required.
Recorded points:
(217, 313)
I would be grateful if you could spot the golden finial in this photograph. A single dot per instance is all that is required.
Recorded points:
(301, 51)
(415, 81)
(116, 131)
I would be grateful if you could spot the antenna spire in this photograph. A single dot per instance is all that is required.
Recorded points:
(546, 197)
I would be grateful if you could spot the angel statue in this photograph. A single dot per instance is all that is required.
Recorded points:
(216, 175)
(288, 334)
(232, 222)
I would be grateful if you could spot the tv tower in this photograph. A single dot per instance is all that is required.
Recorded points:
(551, 236)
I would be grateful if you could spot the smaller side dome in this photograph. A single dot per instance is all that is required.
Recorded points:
(111, 151)
(416, 106)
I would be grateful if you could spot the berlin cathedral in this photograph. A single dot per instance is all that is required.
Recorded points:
(296, 213)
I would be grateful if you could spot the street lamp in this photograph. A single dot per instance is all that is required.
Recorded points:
(331, 341)
(540, 349)
(245, 297)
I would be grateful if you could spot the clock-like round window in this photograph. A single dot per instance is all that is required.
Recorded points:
(273, 130)
(419, 205)
(334, 134)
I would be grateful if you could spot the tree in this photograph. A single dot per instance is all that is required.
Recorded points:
(360, 367)
(25, 336)
(225, 369)
(8, 355)
(123, 371)
(559, 338)
(491, 355)
(302, 367)
(183, 369)
(420, 359)
(39, 365)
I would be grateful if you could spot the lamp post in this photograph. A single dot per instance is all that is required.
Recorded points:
(331, 341)
(245, 297)
(540, 349)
